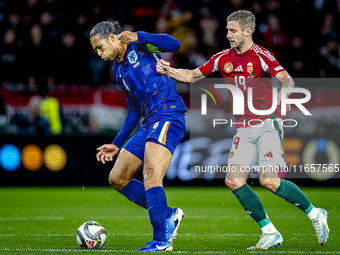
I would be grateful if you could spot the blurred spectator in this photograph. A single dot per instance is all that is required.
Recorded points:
(144, 14)
(193, 57)
(3, 116)
(327, 31)
(50, 111)
(34, 52)
(209, 28)
(32, 123)
(296, 57)
(97, 67)
(14, 20)
(274, 39)
(331, 52)
(31, 11)
(258, 10)
(180, 27)
(237, 4)
(71, 63)
(10, 58)
(162, 28)
(46, 41)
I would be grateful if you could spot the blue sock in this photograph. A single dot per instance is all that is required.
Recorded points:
(168, 212)
(135, 192)
(156, 201)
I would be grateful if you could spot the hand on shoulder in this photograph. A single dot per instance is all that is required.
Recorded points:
(128, 37)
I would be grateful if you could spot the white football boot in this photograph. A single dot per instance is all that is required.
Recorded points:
(321, 227)
(172, 223)
(268, 241)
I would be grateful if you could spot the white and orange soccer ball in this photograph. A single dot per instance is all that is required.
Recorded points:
(91, 235)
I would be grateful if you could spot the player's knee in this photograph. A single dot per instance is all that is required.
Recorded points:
(234, 183)
(117, 182)
(267, 183)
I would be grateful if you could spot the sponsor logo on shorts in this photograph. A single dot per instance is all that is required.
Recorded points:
(231, 154)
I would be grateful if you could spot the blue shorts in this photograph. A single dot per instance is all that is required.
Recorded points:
(166, 129)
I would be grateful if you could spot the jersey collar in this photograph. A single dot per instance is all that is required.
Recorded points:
(245, 51)
(121, 59)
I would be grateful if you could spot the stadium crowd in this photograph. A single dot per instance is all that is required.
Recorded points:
(48, 39)
(45, 46)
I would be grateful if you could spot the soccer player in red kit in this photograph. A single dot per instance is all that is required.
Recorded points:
(248, 65)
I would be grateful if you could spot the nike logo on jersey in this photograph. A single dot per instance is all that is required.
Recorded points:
(239, 69)
(269, 155)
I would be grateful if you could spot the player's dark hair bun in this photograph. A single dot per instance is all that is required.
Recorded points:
(105, 28)
(116, 26)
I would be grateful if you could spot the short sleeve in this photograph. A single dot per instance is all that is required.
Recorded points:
(207, 68)
(211, 65)
(269, 63)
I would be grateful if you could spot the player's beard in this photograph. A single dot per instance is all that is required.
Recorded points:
(240, 45)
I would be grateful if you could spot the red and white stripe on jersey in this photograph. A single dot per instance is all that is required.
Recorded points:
(211, 65)
(268, 61)
(262, 51)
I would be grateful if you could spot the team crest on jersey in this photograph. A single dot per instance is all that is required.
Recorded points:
(250, 68)
(228, 67)
(132, 57)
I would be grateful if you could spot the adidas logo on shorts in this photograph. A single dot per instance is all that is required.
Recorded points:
(269, 155)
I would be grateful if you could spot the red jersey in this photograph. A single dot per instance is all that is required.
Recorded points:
(252, 68)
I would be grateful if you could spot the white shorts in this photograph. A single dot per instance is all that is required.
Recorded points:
(258, 145)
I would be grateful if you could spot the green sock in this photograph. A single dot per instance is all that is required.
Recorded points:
(290, 192)
(252, 204)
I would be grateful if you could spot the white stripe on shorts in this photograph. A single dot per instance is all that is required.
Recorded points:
(163, 132)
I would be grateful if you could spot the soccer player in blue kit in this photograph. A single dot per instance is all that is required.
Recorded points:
(153, 96)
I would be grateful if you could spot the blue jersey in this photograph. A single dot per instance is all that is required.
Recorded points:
(148, 92)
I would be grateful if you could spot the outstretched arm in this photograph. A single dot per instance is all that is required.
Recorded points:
(154, 42)
(108, 151)
(180, 75)
(132, 118)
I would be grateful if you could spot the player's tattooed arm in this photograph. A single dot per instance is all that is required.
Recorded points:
(180, 75)
(287, 82)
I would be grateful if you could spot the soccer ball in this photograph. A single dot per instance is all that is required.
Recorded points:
(91, 235)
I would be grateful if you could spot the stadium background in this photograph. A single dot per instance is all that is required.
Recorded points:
(45, 53)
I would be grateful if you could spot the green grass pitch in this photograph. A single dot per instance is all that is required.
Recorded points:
(45, 221)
